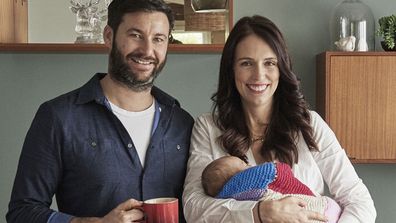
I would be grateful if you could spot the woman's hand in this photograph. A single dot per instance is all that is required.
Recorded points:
(285, 210)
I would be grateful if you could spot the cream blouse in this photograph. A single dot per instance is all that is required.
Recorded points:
(330, 165)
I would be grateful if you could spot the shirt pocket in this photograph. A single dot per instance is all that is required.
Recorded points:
(176, 155)
(96, 161)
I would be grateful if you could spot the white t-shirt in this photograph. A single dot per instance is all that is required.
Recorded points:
(139, 126)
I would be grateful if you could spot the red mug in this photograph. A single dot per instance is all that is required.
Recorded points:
(161, 210)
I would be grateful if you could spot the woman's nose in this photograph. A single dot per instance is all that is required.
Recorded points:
(260, 72)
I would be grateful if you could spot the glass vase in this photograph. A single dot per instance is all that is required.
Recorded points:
(91, 17)
(352, 27)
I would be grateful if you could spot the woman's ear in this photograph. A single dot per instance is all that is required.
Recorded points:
(108, 36)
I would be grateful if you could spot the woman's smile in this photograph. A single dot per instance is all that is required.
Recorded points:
(257, 88)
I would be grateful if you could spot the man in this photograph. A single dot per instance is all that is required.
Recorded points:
(116, 140)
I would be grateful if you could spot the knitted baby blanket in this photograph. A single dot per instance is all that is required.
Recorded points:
(252, 183)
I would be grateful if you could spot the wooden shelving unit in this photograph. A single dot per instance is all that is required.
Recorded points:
(356, 95)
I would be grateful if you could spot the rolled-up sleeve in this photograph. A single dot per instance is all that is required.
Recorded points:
(340, 176)
(198, 207)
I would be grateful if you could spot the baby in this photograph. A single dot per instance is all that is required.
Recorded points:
(231, 177)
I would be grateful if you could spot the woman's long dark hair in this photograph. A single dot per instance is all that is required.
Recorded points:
(290, 114)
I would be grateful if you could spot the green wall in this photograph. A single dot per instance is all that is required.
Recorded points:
(28, 79)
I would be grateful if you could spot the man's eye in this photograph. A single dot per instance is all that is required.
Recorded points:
(159, 39)
(135, 35)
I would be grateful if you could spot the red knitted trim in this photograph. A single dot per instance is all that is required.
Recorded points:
(286, 183)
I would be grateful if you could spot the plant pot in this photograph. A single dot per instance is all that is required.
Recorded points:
(386, 48)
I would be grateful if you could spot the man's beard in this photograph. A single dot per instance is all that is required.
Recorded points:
(120, 71)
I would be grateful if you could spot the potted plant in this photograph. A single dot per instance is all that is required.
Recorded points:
(387, 30)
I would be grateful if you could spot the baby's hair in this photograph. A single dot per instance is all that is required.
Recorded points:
(214, 176)
(213, 179)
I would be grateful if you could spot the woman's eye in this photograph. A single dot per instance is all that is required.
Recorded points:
(270, 63)
(246, 63)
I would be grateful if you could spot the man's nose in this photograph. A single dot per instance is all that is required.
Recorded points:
(147, 47)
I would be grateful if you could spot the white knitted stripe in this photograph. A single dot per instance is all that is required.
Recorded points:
(317, 204)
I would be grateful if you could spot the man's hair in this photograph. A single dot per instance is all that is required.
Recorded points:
(118, 8)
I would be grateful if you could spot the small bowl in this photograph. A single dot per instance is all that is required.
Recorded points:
(208, 5)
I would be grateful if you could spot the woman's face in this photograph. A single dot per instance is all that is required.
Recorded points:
(256, 72)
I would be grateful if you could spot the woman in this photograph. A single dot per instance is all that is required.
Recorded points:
(260, 115)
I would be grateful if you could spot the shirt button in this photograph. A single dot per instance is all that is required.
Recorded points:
(129, 145)
(93, 144)
(178, 147)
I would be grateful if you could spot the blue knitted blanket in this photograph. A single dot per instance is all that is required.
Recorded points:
(250, 184)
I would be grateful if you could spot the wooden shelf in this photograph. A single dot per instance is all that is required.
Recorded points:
(100, 48)
(14, 35)
(369, 53)
(372, 161)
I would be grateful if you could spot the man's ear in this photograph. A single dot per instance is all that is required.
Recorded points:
(108, 36)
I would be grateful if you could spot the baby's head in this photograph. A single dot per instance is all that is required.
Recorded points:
(219, 171)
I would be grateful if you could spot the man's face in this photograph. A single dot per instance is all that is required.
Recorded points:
(139, 48)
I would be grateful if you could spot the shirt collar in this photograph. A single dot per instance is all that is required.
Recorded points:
(92, 91)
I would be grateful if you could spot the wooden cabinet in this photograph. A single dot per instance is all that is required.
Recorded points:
(356, 95)
(13, 21)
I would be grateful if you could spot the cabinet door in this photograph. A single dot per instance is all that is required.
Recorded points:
(6, 21)
(21, 21)
(13, 21)
(360, 105)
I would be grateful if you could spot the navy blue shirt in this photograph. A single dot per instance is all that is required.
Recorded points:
(77, 149)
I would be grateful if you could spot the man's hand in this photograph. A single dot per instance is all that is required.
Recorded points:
(125, 212)
(287, 210)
